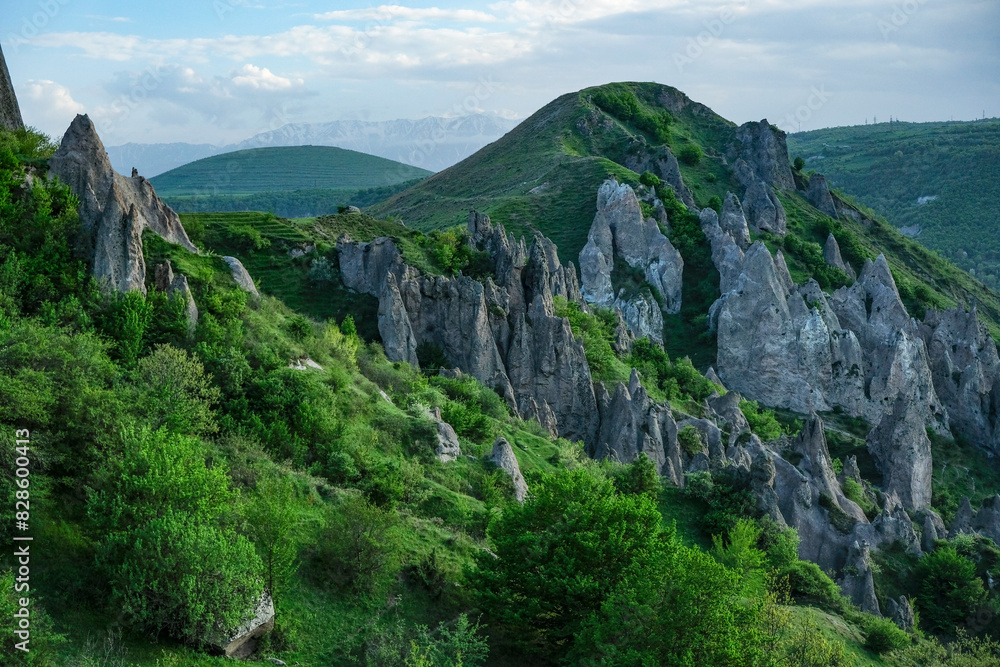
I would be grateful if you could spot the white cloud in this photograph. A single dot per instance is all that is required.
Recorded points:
(393, 13)
(261, 78)
(48, 105)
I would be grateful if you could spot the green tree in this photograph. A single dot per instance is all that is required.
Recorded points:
(799, 164)
(129, 322)
(948, 590)
(359, 547)
(173, 391)
(560, 554)
(272, 524)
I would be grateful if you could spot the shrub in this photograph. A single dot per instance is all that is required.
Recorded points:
(799, 164)
(948, 589)
(450, 645)
(690, 440)
(882, 635)
(808, 583)
(691, 155)
(360, 546)
(649, 179)
(762, 421)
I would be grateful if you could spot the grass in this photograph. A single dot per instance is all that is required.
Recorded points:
(890, 167)
(283, 169)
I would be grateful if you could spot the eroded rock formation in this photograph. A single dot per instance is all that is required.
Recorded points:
(10, 113)
(114, 210)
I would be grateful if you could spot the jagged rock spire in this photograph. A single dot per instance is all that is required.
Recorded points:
(10, 113)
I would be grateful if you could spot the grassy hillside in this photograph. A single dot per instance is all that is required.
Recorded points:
(940, 181)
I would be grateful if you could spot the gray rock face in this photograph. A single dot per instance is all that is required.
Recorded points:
(241, 276)
(242, 641)
(902, 452)
(858, 583)
(831, 254)
(114, 210)
(901, 613)
(786, 349)
(448, 448)
(10, 113)
(986, 521)
(503, 457)
(620, 234)
(765, 150)
(966, 374)
(503, 333)
(764, 211)
(632, 424)
(819, 195)
(176, 287)
(661, 162)
(733, 221)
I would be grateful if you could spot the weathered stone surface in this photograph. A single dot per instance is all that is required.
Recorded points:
(619, 233)
(966, 374)
(819, 195)
(242, 641)
(10, 113)
(661, 162)
(241, 275)
(176, 287)
(765, 150)
(858, 582)
(902, 452)
(114, 210)
(503, 457)
(631, 424)
(733, 221)
(901, 613)
(831, 254)
(394, 324)
(363, 266)
(727, 414)
(448, 448)
(764, 210)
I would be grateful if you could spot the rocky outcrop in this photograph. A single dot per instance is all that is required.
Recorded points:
(632, 424)
(966, 374)
(985, 521)
(858, 582)
(902, 452)
(241, 276)
(448, 448)
(661, 162)
(176, 287)
(242, 641)
(733, 221)
(819, 195)
(10, 113)
(831, 255)
(114, 210)
(503, 457)
(504, 332)
(901, 613)
(620, 234)
(764, 149)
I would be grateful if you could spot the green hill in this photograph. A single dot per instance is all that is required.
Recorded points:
(938, 181)
(291, 181)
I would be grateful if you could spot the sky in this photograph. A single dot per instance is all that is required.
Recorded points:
(220, 71)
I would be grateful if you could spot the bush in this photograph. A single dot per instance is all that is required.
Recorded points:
(360, 546)
(690, 440)
(799, 164)
(762, 421)
(691, 155)
(450, 645)
(948, 590)
(882, 635)
(809, 584)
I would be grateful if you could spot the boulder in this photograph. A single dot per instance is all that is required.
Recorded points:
(10, 113)
(448, 448)
(503, 457)
(241, 276)
(114, 210)
(819, 195)
(242, 641)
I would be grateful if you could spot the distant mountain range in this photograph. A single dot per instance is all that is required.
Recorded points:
(432, 143)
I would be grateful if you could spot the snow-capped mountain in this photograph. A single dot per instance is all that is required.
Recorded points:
(432, 143)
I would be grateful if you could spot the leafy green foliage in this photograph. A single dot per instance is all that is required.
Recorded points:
(882, 635)
(691, 155)
(690, 440)
(359, 546)
(727, 496)
(560, 554)
(948, 589)
(625, 106)
(679, 380)
(762, 421)
(460, 645)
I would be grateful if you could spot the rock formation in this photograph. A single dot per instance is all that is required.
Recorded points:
(620, 234)
(662, 163)
(114, 210)
(176, 287)
(10, 113)
(242, 641)
(901, 613)
(765, 150)
(966, 374)
(504, 332)
(733, 221)
(858, 582)
(819, 195)
(503, 457)
(241, 276)
(902, 452)
(448, 448)
(831, 255)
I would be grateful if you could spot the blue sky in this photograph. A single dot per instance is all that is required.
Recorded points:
(218, 71)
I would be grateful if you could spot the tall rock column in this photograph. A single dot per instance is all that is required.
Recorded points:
(10, 113)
